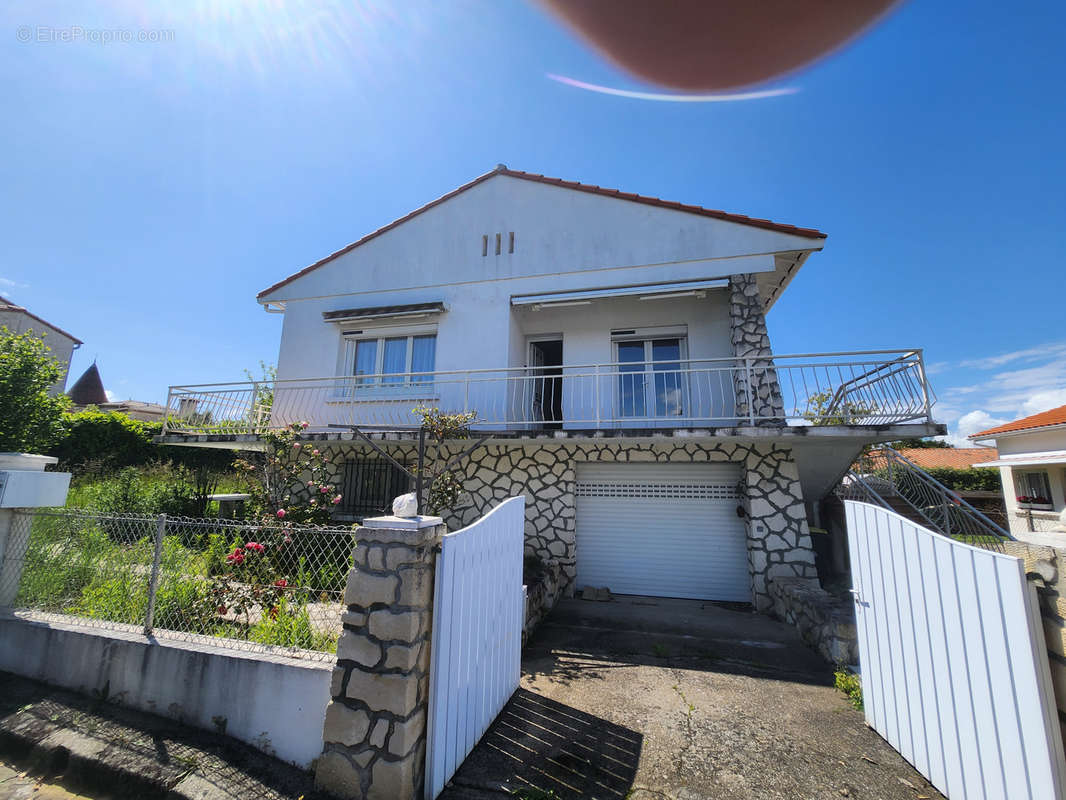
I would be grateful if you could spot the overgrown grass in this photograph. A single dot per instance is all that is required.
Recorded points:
(101, 568)
(850, 684)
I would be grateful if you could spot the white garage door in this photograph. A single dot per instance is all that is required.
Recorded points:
(665, 530)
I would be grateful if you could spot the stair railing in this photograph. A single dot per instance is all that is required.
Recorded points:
(943, 510)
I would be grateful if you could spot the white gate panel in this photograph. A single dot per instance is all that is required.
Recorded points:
(954, 664)
(475, 660)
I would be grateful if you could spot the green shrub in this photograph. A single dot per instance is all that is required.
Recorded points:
(970, 479)
(99, 442)
(850, 684)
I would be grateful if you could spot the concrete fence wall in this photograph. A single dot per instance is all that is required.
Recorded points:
(272, 702)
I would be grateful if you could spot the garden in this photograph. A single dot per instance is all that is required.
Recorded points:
(278, 585)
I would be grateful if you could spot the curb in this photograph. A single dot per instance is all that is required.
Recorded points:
(51, 750)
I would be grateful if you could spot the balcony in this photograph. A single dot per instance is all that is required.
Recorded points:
(874, 388)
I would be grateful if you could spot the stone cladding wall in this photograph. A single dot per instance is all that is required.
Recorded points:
(826, 622)
(545, 472)
(750, 339)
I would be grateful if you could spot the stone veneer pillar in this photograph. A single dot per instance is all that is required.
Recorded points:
(750, 339)
(375, 729)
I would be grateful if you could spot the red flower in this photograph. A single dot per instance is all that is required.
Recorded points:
(274, 612)
(221, 609)
(281, 583)
(254, 546)
(236, 557)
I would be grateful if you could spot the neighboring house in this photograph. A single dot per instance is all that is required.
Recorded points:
(1032, 469)
(614, 345)
(19, 320)
(89, 390)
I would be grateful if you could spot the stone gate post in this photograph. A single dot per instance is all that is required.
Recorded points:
(374, 735)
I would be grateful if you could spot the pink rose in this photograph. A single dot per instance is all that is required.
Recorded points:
(336, 499)
(281, 513)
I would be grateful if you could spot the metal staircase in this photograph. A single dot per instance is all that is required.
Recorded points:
(885, 477)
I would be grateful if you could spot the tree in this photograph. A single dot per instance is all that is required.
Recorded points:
(917, 444)
(31, 420)
(445, 487)
(823, 409)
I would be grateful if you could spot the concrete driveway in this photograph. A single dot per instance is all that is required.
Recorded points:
(644, 698)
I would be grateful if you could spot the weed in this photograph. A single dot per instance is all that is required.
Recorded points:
(850, 684)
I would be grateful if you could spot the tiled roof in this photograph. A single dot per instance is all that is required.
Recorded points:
(7, 305)
(951, 457)
(1056, 416)
(809, 233)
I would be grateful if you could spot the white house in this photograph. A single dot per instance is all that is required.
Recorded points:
(1032, 468)
(614, 345)
(20, 320)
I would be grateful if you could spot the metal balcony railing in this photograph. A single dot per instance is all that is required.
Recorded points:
(855, 388)
(887, 478)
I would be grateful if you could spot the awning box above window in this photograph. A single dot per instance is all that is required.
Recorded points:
(410, 311)
(657, 291)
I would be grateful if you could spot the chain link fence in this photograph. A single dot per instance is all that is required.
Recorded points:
(212, 581)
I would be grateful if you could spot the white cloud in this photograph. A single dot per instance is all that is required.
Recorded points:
(1043, 401)
(7, 283)
(972, 423)
(1052, 350)
(111, 396)
(1035, 382)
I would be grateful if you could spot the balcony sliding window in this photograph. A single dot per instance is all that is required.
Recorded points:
(390, 361)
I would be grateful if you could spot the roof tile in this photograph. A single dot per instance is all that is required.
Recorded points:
(1056, 416)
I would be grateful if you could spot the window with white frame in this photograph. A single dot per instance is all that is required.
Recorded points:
(390, 357)
(650, 380)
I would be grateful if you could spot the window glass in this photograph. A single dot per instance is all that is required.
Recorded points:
(395, 360)
(366, 358)
(632, 391)
(666, 355)
(423, 354)
(1037, 485)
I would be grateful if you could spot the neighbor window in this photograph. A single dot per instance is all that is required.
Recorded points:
(390, 359)
(1037, 486)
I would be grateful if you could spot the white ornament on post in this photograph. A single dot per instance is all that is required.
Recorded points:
(406, 505)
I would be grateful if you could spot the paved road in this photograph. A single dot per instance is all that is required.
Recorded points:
(17, 785)
(640, 699)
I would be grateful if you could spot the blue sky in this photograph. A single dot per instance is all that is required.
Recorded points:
(151, 188)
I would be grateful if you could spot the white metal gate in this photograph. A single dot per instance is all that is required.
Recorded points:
(477, 636)
(954, 665)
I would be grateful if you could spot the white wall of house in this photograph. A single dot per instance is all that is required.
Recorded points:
(565, 240)
(558, 232)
